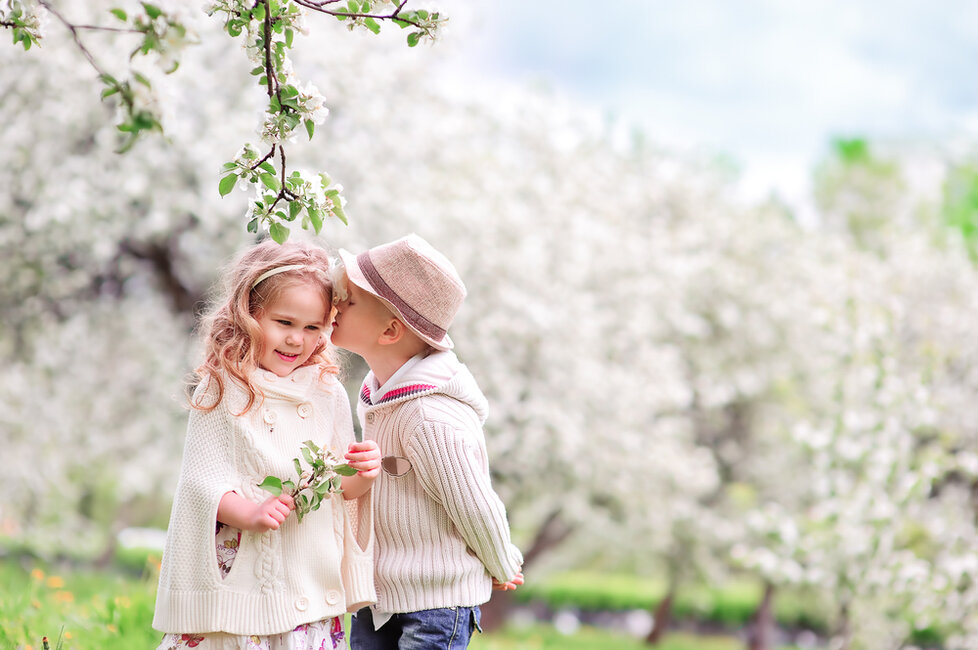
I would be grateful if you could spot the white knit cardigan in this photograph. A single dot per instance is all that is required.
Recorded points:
(300, 573)
(441, 530)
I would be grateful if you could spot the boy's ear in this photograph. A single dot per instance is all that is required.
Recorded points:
(393, 333)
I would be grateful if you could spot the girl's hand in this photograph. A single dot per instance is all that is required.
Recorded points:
(238, 512)
(365, 458)
(508, 586)
(271, 512)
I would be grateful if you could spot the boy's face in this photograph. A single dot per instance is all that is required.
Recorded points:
(360, 320)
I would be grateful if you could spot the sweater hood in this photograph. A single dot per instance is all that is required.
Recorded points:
(438, 373)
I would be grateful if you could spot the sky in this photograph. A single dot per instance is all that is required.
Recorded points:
(767, 83)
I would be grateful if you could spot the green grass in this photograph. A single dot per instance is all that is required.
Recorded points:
(731, 604)
(86, 609)
(108, 610)
(545, 637)
(100, 610)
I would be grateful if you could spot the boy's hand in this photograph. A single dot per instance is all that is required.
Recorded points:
(365, 458)
(508, 586)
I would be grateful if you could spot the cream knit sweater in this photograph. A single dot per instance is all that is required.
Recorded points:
(300, 573)
(441, 530)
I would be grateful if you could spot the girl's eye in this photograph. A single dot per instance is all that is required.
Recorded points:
(314, 328)
(285, 322)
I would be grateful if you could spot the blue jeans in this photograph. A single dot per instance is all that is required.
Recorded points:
(449, 628)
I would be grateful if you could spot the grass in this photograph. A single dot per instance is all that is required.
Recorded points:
(84, 609)
(101, 610)
(731, 605)
(545, 637)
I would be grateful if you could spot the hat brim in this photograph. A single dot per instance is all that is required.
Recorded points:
(356, 276)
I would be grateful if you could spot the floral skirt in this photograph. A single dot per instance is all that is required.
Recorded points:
(326, 634)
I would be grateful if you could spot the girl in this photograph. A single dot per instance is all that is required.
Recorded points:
(267, 384)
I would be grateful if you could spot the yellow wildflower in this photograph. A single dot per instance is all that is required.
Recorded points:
(56, 582)
(64, 596)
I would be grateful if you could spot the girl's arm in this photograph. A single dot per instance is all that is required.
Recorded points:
(364, 457)
(238, 512)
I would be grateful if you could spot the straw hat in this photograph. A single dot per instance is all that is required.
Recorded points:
(414, 281)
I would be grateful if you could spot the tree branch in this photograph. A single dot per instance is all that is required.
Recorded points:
(319, 6)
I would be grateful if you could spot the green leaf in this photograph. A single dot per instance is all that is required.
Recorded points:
(258, 70)
(294, 208)
(268, 167)
(413, 38)
(345, 470)
(227, 184)
(372, 25)
(269, 181)
(272, 484)
(258, 13)
(152, 11)
(289, 37)
(120, 14)
(142, 79)
(253, 225)
(310, 128)
(298, 466)
(279, 233)
(353, 7)
(311, 446)
(338, 212)
(288, 486)
(316, 217)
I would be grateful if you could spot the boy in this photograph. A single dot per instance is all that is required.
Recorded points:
(442, 540)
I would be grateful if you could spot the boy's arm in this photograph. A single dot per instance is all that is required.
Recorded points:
(450, 466)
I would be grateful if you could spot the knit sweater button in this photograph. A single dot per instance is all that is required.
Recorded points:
(304, 409)
(301, 603)
(370, 417)
(332, 596)
(269, 416)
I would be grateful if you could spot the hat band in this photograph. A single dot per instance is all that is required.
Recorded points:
(384, 290)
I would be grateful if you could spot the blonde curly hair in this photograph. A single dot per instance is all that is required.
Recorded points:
(231, 332)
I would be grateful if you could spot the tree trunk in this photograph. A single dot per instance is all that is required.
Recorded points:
(761, 631)
(551, 534)
(843, 633)
(662, 617)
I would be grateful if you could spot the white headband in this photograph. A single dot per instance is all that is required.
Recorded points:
(278, 269)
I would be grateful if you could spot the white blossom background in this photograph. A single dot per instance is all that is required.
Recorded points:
(681, 382)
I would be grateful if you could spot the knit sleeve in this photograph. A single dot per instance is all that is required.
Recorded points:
(208, 469)
(206, 474)
(451, 466)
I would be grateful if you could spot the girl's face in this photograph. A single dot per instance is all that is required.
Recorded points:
(292, 327)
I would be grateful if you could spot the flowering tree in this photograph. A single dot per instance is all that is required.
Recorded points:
(268, 29)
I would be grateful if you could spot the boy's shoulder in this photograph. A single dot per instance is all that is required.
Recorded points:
(438, 408)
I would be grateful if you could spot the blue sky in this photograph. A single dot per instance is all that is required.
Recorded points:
(767, 82)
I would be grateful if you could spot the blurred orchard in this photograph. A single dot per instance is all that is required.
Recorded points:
(681, 385)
